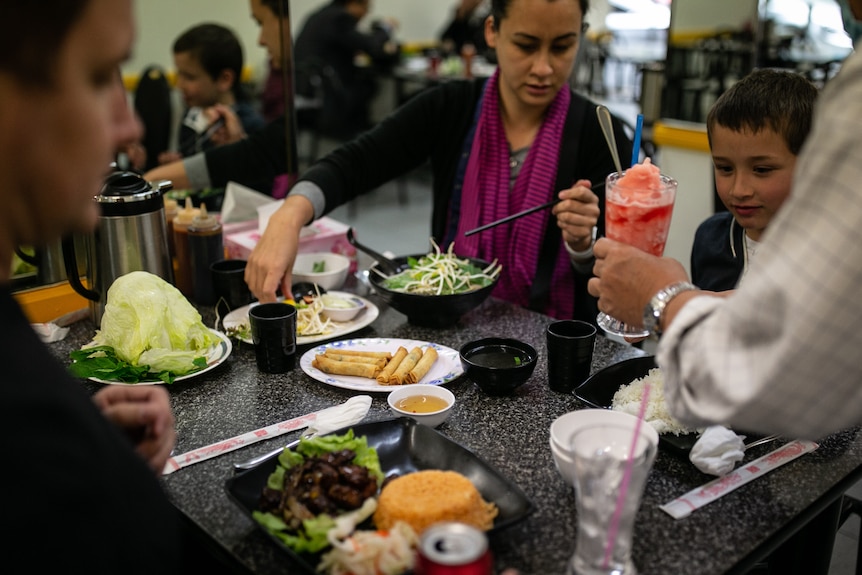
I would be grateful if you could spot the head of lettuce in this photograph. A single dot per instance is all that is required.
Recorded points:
(149, 331)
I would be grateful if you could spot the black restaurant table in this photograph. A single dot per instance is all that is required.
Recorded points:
(511, 433)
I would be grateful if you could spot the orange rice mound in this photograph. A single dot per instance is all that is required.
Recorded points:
(423, 498)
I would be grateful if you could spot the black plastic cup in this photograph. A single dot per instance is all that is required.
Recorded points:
(228, 278)
(570, 354)
(273, 332)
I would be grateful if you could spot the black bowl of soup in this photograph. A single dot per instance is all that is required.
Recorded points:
(498, 365)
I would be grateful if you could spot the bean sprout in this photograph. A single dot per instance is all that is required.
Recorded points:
(439, 273)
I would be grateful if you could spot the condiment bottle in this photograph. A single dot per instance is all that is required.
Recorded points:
(183, 272)
(205, 248)
(171, 208)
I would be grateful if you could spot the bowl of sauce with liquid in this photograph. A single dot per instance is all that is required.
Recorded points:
(428, 404)
(498, 365)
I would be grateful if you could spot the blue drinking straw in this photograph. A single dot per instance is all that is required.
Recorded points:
(636, 149)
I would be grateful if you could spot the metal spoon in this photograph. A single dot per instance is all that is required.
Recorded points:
(385, 264)
(761, 441)
(607, 125)
(254, 461)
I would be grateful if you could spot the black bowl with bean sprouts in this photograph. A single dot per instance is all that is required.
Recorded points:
(436, 289)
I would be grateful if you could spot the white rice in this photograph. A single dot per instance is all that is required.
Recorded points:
(628, 400)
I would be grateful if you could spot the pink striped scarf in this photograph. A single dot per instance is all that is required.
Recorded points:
(485, 197)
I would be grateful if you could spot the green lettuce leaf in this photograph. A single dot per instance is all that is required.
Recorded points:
(147, 321)
(312, 537)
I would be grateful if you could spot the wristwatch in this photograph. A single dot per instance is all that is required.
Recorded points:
(655, 308)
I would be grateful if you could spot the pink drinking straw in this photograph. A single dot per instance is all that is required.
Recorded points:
(624, 486)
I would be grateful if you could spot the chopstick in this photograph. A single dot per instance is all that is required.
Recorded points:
(526, 212)
(208, 133)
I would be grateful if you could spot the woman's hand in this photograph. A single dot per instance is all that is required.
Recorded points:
(144, 413)
(271, 261)
(577, 214)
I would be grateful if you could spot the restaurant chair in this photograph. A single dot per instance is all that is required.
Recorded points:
(318, 88)
(152, 102)
(308, 104)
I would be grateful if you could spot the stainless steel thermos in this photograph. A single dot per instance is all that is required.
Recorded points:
(131, 236)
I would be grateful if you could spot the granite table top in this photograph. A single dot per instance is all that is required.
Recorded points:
(511, 434)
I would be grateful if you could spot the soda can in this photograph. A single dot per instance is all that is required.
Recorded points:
(453, 549)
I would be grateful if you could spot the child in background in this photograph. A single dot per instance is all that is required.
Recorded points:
(756, 130)
(209, 62)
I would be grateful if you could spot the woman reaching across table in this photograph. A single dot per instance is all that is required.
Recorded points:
(495, 148)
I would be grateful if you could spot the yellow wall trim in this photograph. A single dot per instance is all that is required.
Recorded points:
(130, 81)
(684, 135)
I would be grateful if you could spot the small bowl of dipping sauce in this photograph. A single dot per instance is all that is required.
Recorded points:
(428, 404)
(498, 365)
(341, 307)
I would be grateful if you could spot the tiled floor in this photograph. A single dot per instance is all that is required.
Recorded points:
(385, 224)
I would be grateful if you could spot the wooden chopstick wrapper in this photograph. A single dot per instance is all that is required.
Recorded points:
(696, 498)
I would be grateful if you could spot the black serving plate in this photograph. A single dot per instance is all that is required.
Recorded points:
(599, 390)
(403, 446)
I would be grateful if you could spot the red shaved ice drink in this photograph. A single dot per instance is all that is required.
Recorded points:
(638, 207)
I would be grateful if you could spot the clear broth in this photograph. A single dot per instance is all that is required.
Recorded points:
(498, 357)
(421, 404)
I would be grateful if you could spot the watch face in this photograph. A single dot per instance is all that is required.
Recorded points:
(651, 317)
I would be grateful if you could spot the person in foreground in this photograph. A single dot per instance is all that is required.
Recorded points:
(756, 129)
(496, 148)
(779, 354)
(81, 488)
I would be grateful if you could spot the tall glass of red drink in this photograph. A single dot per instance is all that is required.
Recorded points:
(638, 208)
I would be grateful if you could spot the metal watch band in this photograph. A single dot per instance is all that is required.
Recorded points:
(656, 306)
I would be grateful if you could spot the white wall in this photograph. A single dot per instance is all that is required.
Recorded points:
(161, 21)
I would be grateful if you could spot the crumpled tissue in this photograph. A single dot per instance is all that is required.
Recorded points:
(241, 203)
(332, 418)
(58, 329)
(717, 451)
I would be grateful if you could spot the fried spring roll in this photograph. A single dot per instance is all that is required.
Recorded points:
(399, 377)
(422, 366)
(333, 367)
(378, 354)
(383, 376)
(378, 361)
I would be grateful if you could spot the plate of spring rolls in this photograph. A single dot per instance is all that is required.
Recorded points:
(381, 364)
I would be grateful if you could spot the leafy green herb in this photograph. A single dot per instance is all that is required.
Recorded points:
(319, 267)
(311, 537)
(517, 360)
(102, 362)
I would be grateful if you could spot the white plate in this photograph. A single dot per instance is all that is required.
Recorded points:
(445, 369)
(238, 318)
(216, 355)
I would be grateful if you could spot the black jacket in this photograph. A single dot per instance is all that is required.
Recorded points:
(718, 253)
